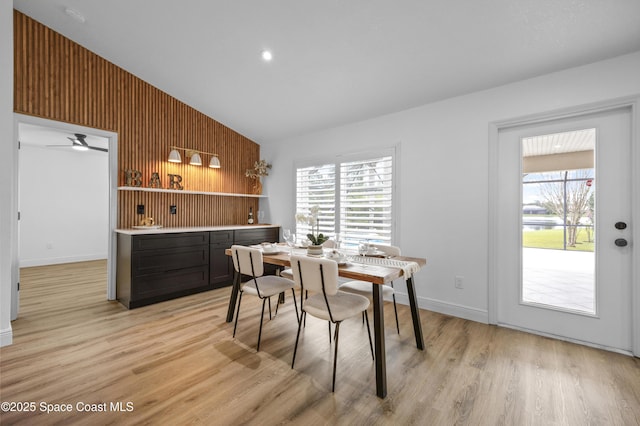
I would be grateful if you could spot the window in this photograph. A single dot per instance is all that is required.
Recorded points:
(354, 196)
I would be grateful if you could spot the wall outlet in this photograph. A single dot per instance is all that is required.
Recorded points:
(459, 281)
(173, 209)
(140, 209)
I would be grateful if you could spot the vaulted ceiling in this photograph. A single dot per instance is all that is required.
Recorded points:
(336, 62)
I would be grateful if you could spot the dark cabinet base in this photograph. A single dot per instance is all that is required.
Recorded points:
(153, 268)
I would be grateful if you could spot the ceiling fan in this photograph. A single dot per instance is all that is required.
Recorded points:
(79, 143)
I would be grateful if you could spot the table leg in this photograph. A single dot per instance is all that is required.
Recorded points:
(378, 331)
(415, 313)
(234, 296)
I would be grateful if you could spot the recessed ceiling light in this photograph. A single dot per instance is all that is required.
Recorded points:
(75, 15)
(266, 55)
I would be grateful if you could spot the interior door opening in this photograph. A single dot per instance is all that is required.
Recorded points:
(34, 134)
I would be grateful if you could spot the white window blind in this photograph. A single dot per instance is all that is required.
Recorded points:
(316, 186)
(355, 198)
(366, 200)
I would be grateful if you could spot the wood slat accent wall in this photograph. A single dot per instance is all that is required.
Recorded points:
(57, 79)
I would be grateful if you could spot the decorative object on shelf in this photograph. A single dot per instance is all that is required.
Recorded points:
(250, 219)
(315, 236)
(260, 168)
(133, 178)
(194, 157)
(147, 221)
(257, 187)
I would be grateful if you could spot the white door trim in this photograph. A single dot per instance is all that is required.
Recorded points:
(113, 198)
(632, 102)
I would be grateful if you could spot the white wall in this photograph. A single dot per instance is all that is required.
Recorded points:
(443, 174)
(64, 205)
(7, 151)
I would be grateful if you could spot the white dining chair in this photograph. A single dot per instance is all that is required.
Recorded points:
(320, 276)
(248, 261)
(365, 288)
(286, 273)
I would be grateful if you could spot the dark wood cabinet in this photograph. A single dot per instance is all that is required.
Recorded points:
(247, 237)
(220, 265)
(153, 268)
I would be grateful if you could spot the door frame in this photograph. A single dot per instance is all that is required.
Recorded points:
(632, 102)
(113, 199)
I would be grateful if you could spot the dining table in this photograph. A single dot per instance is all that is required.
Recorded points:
(374, 269)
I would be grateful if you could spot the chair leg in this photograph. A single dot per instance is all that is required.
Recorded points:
(277, 304)
(295, 348)
(261, 317)
(395, 308)
(335, 358)
(369, 332)
(237, 313)
(269, 308)
(295, 304)
(329, 323)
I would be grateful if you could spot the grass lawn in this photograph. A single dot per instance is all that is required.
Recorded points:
(553, 239)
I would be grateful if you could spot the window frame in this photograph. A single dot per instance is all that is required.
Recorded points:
(337, 161)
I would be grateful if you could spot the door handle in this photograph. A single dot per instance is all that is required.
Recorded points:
(621, 242)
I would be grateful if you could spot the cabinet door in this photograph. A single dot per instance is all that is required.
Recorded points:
(247, 237)
(220, 265)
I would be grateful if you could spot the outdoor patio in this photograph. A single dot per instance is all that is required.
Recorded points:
(560, 278)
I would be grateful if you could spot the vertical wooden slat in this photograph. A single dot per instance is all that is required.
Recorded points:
(56, 78)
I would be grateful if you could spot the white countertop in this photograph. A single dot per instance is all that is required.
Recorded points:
(168, 230)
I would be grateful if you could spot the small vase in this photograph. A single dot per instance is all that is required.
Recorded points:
(314, 250)
(257, 187)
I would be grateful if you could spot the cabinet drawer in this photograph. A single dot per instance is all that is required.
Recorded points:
(256, 236)
(167, 283)
(221, 237)
(169, 241)
(155, 261)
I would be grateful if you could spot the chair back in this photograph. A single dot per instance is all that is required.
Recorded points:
(387, 249)
(329, 244)
(315, 274)
(247, 260)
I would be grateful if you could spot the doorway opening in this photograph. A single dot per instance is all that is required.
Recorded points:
(75, 218)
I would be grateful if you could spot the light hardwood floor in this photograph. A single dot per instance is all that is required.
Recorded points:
(176, 363)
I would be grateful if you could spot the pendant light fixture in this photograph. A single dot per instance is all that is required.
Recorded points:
(194, 155)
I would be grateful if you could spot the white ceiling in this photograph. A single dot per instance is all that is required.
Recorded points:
(338, 61)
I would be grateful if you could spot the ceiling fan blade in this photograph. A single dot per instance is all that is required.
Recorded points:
(97, 149)
(80, 138)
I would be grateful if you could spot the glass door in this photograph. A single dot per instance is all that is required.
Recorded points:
(564, 190)
(558, 211)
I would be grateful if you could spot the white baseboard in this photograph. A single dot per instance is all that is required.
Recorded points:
(446, 308)
(26, 263)
(6, 337)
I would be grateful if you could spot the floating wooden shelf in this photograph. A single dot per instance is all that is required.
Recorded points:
(178, 191)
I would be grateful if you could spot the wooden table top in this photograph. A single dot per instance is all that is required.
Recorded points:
(376, 274)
